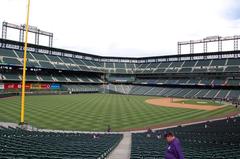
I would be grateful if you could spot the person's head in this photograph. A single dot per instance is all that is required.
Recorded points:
(169, 136)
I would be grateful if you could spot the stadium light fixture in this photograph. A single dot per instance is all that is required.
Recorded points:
(24, 65)
(210, 39)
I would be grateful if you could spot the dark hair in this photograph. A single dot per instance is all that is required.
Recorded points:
(168, 134)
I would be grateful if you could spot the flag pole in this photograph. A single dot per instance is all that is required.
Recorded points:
(24, 65)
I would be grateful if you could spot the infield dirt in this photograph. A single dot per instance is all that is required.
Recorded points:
(169, 102)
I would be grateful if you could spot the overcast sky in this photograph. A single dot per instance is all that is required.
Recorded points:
(125, 27)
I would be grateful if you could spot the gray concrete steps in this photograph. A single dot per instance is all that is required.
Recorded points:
(123, 150)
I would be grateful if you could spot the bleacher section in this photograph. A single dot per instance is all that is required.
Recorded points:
(197, 66)
(190, 82)
(39, 60)
(15, 58)
(185, 92)
(45, 76)
(81, 88)
(122, 89)
(192, 76)
(218, 140)
(18, 143)
(120, 79)
(225, 94)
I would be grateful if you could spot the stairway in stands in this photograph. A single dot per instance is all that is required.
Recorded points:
(123, 150)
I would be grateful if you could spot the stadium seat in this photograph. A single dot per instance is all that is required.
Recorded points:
(18, 143)
(220, 139)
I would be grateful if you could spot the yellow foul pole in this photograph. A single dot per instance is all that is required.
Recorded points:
(24, 65)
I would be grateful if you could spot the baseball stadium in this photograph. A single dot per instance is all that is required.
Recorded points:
(57, 103)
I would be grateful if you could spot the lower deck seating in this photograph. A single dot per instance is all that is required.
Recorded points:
(118, 88)
(10, 76)
(183, 81)
(218, 140)
(82, 88)
(49, 77)
(185, 92)
(18, 143)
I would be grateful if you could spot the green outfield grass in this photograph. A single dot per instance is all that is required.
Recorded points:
(95, 111)
(201, 102)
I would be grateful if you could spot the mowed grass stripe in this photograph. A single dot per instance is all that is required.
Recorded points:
(96, 111)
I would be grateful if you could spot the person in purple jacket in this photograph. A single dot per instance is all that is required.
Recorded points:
(174, 149)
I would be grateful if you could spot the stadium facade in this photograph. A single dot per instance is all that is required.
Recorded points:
(202, 75)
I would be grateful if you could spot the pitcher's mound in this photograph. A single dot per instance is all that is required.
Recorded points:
(168, 102)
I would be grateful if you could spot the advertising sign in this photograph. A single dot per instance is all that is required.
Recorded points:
(55, 86)
(45, 86)
(15, 86)
(35, 86)
(12, 86)
(27, 86)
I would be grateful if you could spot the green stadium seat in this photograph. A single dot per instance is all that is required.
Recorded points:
(53, 58)
(109, 65)
(217, 62)
(233, 62)
(7, 53)
(164, 65)
(220, 140)
(189, 64)
(232, 69)
(201, 63)
(40, 57)
(233, 82)
(20, 55)
(11, 61)
(176, 64)
(34, 144)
